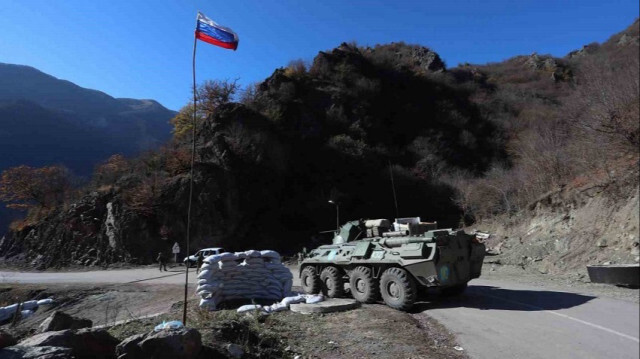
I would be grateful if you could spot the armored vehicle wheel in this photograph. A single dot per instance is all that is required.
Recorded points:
(331, 281)
(364, 288)
(310, 280)
(454, 291)
(398, 289)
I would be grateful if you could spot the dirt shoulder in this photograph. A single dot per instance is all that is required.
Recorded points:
(104, 305)
(568, 282)
(369, 331)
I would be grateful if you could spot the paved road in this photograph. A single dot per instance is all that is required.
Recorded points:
(137, 275)
(497, 319)
(493, 319)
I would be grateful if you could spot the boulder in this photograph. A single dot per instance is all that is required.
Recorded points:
(6, 339)
(235, 350)
(61, 321)
(84, 343)
(180, 343)
(130, 347)
(44, 352)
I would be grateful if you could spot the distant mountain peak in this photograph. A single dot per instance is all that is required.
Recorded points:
(34, 104)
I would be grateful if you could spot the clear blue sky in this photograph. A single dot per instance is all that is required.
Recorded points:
(142, 49)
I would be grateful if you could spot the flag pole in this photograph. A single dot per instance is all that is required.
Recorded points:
(193, 158)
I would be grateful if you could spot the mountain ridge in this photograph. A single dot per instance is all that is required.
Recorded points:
(464, 144)
(45, 120)
(128, 125)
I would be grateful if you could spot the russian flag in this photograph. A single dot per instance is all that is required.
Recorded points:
(208, 31)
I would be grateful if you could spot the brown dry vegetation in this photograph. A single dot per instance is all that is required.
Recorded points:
(566, 120)
(464, 144)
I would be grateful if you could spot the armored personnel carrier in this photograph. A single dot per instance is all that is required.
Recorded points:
(396, 261)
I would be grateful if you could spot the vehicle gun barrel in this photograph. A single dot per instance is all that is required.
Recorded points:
(395, 234)
(398, 242)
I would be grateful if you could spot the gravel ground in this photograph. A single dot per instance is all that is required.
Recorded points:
(366, 332)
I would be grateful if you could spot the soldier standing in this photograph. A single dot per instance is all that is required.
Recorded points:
(162, 261)
(199, 261)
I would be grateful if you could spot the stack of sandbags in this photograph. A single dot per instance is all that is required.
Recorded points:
(243, 275)
(283, 304)
(26, 308)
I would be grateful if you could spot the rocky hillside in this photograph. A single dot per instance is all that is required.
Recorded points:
(46, 121)
(476, 143)
(571, 196)
(566, 229)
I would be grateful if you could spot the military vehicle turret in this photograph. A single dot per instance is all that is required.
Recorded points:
(393, 260)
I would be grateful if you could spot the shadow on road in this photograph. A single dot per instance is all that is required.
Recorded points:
(496, 298)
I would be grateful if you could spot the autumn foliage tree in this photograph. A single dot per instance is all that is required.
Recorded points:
(210, 96)
(110, 170)
(25, 187)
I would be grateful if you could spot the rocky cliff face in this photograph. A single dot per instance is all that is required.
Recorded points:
(103, 227)
(568, 229)
(46, 121)
(80, 235)
(265, 169)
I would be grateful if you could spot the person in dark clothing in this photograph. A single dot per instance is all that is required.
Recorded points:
(199, 262)
(162, 261)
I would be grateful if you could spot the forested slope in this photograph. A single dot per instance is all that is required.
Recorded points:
(465, 145)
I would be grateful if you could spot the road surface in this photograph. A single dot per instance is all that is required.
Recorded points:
(137, 275)
(493, 319)
(499, 319)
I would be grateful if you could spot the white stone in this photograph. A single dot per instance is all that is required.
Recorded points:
(110, 224)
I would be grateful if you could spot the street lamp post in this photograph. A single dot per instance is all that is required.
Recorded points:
(337, 213)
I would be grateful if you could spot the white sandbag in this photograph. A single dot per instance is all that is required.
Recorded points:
(11, 308)
(270, 254)
(314, 298)
(226, 267)
(287, 286)
(249, 307)
(205, 274)
(29, 305)
(293, 300)
(212, 259)
(245, 275)
(207, 287)
(273, 281)
(252, 253)
(277, 307)
(4, 314)
(228, 256)
(209, 304)
(26, 313)
(213, 296)
(205, 266)
(206, 295)
(272, 267)
(47, 301)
